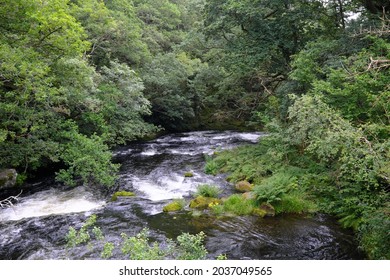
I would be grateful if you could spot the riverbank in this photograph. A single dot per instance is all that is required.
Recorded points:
(295, 183)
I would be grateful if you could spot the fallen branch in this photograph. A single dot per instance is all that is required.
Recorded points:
(9, 202)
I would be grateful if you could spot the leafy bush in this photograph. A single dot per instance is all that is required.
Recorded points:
(139, 247)
(273, 188)
(374, 233)
(190, 247)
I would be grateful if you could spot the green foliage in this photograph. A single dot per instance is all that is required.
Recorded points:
(207, 191)
(139, 247)
(77, 237)
(238, 205)
(167, 86)
(107, 250)
(190, 247)
(211, 166)
(88, 158)
(122, 106)
(374, 234)
(243, 163)
(295, 202)
(57, 107)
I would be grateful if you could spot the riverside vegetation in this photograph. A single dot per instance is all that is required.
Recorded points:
(78, 78)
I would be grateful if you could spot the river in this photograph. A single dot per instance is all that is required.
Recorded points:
(35, 228)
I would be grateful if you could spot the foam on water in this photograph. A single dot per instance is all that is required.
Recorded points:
(165, 188)
(51, 202)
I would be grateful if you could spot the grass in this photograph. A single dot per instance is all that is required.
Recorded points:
(207, 191)
(238, 205)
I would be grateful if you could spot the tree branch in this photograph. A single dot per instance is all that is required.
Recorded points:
(9, 202)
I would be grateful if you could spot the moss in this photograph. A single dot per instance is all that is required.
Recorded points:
(202, 202)
(268, 209)
(244, 186)
(122, 194)
(259, 212)
(188, 174)
(174, 206)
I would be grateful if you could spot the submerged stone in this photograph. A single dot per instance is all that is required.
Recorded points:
(173, 206)
(268, 209)
(122, 194)
(259, 212)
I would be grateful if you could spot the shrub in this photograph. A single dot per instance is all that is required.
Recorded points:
(272, 189)
(139, 247)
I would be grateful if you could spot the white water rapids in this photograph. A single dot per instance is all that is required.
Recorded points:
(51, 202)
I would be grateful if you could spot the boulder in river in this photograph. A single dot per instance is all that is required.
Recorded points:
(202, 202)
(244, 186)
(7, 178)
(268, 209)
(259, 212)
(121, 193)
(174, 206)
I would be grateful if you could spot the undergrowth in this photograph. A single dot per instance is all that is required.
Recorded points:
(300, 183)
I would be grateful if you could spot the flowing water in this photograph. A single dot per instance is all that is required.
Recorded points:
(35, 227)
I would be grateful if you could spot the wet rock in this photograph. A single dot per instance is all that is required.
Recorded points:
(122, 194)
(244, 186)
(268, 209)
(7, 178)
(173, 206)
(259, 212)
(202, 202)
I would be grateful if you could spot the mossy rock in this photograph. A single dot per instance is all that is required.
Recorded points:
(173, 206)
(188, 174)
(268, 209)
(122, 194)
(249, 195)
(202, 202)
(7, 178)
(244, 186)
(259, 212)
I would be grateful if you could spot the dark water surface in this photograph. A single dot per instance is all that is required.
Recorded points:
(35, 228)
